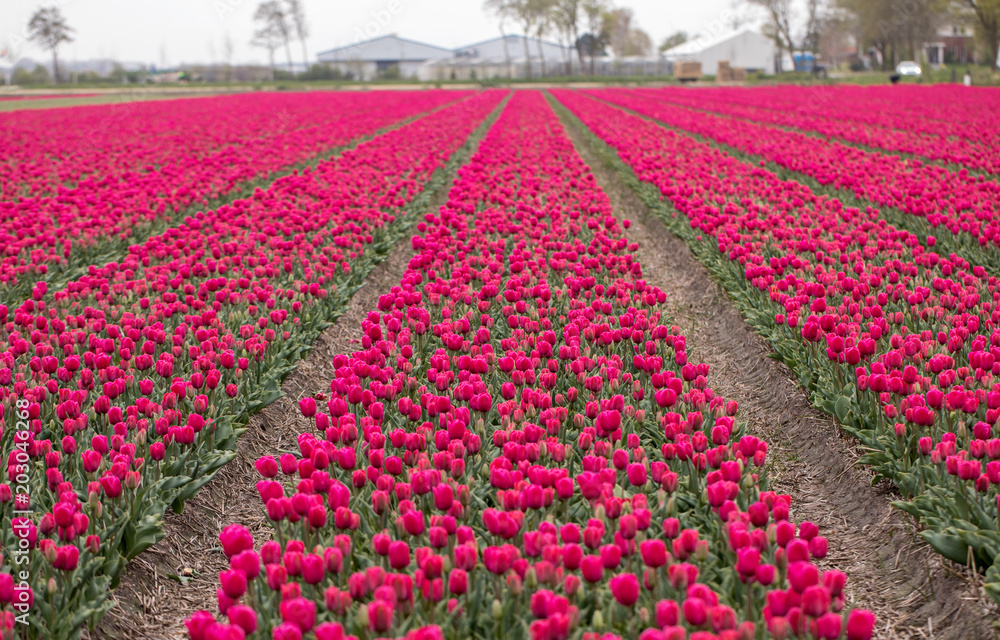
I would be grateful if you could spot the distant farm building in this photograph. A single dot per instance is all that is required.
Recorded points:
(508, 56)
(384, 57)
(745, 49)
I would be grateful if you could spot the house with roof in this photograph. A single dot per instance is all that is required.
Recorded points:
(744, 48)
(952, 44)
(387, 56)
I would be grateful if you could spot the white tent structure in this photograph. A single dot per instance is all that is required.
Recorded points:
(489, 59)
(745, 48)
(386, 55)
(510, 56)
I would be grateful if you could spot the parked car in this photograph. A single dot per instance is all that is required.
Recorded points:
(908, 68)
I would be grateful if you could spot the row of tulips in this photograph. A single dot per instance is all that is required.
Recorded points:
(521, 449)
(965, 209)
(849, 114)
(124, 392)
(898, 342)
(114, 175)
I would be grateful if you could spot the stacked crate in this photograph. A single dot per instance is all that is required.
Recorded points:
(687, 70)
(727, 73)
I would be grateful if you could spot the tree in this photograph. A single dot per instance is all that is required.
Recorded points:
(40, 75)
(814, 20)
(566, 17)
(524, 13)
(297, 14)
(675, 40)
(504, 10)
(625, 39)
(267, 37)
(896, 30)
(988, 18)
(836, 38)
(779, 25)
(271, 16)
(533, 17)
(542, 10)
(227, 53)
(779, 13)
(48, 28)
(594, 12)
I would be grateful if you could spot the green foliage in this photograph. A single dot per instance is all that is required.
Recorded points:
(676, 39)
(38, 75)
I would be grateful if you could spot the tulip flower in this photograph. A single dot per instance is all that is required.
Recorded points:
(234, 539)
(860, 625)
(234, 583)
(654, 553)
(625, 589)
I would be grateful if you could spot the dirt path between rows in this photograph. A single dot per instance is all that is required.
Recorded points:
(914, 592)
(179, 575)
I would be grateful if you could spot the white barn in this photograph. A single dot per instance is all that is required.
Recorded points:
(494, 49)
(745, 48)
(387, 55)
(489, 59)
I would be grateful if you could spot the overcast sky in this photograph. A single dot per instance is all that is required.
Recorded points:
(176, 31)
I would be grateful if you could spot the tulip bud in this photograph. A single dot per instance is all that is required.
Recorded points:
(52, 587)
(598, 620)
(497, 610)
(701, 550)
(531, 578)
(781, 559)
(132, 480)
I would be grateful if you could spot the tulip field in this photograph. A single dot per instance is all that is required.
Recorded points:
(518, 444)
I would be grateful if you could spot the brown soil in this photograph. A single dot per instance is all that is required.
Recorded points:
(179, 575)
(914, 592)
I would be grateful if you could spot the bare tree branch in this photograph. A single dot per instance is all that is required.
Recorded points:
(48, 28)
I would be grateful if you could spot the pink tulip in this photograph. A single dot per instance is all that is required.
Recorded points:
(625, 589)
(234, 539)
(860, 625)
(234, 583)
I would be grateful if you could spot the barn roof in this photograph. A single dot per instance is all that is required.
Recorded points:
(388, 47)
